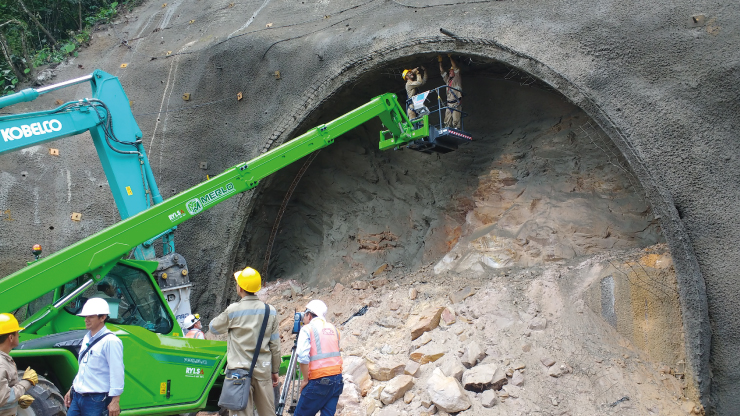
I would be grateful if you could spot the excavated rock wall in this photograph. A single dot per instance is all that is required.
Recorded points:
(539, 184)
(663, 89)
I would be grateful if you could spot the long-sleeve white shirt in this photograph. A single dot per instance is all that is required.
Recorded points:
(101, 369)
(303, 349)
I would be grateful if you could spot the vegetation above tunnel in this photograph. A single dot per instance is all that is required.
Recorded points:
(39, 32)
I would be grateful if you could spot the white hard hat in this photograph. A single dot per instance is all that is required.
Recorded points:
(189, 321)
(317, 307)
(95, 306)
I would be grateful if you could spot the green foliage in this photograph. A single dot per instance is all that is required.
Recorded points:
(61, 18)
(68, 47)
(103, 14)
(7, 82)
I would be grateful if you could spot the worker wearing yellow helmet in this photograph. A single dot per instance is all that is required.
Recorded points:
(414, 79)
(12, 390)
(242, 322)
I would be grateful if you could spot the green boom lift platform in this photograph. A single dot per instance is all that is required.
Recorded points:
(165, 373)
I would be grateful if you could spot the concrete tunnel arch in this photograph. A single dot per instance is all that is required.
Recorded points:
(690, 282)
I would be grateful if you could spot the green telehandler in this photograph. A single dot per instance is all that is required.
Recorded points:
(165, 373)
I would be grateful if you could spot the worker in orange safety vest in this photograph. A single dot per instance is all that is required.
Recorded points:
(194, 327)
(321, 363)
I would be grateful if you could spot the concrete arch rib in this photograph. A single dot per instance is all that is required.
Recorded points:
(691, 284)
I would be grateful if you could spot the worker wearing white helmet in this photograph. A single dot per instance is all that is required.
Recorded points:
(98, 385)
(321, 363)
(194, 327)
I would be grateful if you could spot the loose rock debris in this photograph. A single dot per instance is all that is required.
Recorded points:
(507, 348)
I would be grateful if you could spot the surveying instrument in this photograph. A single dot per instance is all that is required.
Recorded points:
(291, 389)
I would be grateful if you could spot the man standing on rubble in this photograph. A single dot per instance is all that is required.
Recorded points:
(452, 78)
(12, 391)
(321, 363)
(242, 322)
(97, 388)
(413, 82)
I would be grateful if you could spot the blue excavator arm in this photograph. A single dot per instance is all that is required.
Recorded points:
(115, 134)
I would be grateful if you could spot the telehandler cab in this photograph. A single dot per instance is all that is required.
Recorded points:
(165, 373)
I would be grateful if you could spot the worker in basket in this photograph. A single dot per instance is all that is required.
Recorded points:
(452, 78)
(414, 79)
(194, 327)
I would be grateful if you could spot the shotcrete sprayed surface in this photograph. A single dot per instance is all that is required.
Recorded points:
(541, 187)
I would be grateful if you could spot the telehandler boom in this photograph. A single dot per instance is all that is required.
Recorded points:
(117, 139)
(165, 373)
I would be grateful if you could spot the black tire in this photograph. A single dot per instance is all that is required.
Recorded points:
(48, 400)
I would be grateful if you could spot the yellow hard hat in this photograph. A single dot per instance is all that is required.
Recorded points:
(8, 324)
(405, 71)
(249, 280)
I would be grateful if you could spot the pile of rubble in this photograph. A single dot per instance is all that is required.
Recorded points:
(511, 342)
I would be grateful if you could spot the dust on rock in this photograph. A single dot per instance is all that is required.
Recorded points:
(520, 344)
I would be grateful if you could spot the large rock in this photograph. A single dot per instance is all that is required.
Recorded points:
(356, 367)
(428, 320)
(488, 398)
(518, 378)
(396, 388)
(538, 324)
(513, 391)
(448, 316)
(370, 405)
(460, 295)
(447, 393)
(473, 354)
(558, 370)
(428, 353)
(375, 392)
(484, 377)
(360, 285)
(379, 282)
(479, 378)
(412, 368)
(349, 403)
(384, 369)
(547, 361)
(452, 367)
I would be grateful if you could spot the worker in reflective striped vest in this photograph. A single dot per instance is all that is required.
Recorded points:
(194, 327)
(321, 363)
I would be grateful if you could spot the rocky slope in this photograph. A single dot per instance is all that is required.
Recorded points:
(509, 342)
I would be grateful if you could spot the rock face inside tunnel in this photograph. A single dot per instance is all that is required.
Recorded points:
(663, 89)
(540, 183)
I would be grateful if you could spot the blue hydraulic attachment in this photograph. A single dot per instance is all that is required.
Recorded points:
(115, 134)
(117, 139)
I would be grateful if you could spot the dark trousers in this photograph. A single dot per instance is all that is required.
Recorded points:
(95, 404)
(320, 394)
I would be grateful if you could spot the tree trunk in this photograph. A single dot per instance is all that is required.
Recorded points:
(43, 29)
(79, 11)
(29, 63)
(6, 53)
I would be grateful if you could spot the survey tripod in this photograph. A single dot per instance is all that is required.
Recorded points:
(292, 383)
